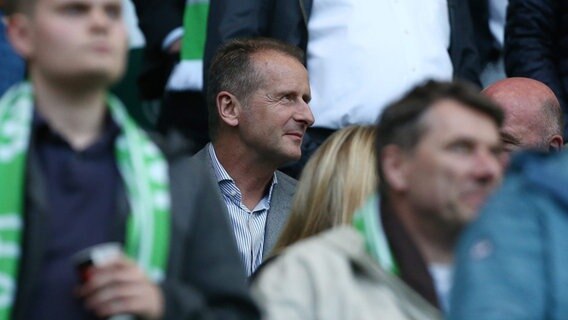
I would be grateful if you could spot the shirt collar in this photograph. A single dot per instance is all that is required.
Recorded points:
(42, 130)
(220, 172)
(228, 185)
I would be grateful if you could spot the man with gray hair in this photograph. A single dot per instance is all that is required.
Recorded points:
(258, 98)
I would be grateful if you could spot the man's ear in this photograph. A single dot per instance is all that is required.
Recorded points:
(228, 108)
(394, 163)
(20, 34)
(556, 143)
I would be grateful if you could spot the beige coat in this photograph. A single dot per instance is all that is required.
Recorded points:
(331, 277)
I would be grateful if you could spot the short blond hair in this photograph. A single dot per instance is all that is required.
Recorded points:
(336, 180)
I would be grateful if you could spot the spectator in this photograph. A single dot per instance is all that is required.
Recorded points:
(536, 46)
(438, 151)
(533, 117)
(335, 182)
(76, 172)
(510, 262)
(258, 113)
(438, 161)
(345, 43)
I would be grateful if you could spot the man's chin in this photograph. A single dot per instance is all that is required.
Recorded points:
(290, 157)
(92, 78)
(470, 213)
(475, 203)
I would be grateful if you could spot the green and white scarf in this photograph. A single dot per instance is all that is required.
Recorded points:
(141, 166)
(367, 221)
(194, 29)
(188, 73)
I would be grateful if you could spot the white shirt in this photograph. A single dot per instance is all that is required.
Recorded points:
(364, 54)
(442, 274)
(248, 225)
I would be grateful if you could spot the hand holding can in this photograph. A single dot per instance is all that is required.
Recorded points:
(98, 256)
(116, 287)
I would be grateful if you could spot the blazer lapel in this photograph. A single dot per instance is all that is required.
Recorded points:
(279, 204)
(278, 214)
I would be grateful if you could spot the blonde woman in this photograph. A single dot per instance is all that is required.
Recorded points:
(330, 275)
(339, 176)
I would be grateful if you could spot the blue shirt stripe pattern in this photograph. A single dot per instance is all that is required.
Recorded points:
(248, 225)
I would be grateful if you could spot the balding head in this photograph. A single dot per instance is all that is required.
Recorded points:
(533, 117)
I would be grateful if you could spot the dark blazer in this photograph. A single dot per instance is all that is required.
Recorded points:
(287, 20)
(279, 205)
(536, 44)
(204, 277)
(488, 48)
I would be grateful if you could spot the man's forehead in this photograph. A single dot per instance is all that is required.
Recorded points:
(448, 118)
(265, 59)
(275, 65)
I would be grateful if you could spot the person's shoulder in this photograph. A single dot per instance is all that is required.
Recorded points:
(320, 252)
(286, 181)
(173, 144)
(536, 173)
(190, 175)
(528, 159)
(343, 236)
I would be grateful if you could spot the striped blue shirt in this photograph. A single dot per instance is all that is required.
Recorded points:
(248, 225)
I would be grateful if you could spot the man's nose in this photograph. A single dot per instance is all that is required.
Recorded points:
(488, 167)
(304, 114)
(99, 19)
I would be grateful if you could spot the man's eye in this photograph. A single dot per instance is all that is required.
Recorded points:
(114, 12)
(74, 9)
(510, 147)
(461, 147)
(288, 98)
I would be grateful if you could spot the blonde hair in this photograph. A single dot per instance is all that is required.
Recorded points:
(336, 180)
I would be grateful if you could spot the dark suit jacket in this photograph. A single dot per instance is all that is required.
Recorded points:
(279, 206)
(204, 277)
(536, 45)
(487, 46)
(287, 20)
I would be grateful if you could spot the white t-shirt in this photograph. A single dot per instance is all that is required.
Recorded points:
(443, 281)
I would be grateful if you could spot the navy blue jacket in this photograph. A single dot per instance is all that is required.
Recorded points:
(536, 44)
